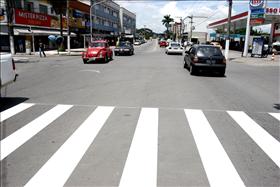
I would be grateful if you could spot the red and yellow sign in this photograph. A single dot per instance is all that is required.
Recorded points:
(32, 18)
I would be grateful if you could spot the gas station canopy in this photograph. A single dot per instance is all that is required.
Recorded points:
(272, 16)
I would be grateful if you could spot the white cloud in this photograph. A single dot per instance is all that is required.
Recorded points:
(150, 13)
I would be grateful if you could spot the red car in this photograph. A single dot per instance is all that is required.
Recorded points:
(98, 51)
(163, 43)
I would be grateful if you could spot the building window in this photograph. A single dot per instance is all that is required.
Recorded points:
(28, 6)
(115, 14)
(43, 9)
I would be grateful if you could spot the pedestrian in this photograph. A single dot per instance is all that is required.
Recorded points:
(41, 48)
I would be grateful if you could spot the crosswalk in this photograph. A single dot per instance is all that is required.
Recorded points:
(141, 164)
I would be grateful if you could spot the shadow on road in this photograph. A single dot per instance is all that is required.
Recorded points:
(8, 102)
(276, 106)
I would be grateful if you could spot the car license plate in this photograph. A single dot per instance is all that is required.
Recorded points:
(175, 48)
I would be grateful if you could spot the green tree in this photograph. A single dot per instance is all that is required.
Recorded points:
(166, 21)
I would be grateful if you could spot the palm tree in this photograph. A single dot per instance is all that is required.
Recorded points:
(166, 21)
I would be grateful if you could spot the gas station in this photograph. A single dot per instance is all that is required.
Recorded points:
(259, 15)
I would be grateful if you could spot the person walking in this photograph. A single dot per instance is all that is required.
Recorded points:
(41, 48)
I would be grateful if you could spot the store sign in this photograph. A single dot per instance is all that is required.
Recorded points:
(256, 21)
(258, 11)
(256, 4)
(272, 11)
(253, 16)
(32, 18)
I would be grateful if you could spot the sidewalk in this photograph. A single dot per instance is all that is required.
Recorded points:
(235, 56)
(74, 52)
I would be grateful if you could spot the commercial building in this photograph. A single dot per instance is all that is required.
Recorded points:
(35, 20)
(127, 22)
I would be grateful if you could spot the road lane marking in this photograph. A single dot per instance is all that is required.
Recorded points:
(264, 140)
(275, 115)
(90, 70)
(59, 167)
(18, 138)
(141, 164)
(218, 167)
(15, 110)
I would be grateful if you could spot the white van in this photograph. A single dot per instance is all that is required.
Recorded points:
(7, 69)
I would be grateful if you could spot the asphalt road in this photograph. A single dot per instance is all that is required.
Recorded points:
(140, 120)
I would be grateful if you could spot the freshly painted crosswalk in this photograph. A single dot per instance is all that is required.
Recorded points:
(15, 140)
(142, 157)
(218, 166)
(59, 167)
(14, 110)
(141, 165)
(268, 144)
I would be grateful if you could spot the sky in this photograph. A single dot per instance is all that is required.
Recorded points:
(150, 13)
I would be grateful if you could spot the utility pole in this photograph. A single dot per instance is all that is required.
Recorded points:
(191, 26)
(68, 29)
(228, 29)
(191, 22)
(10, 17)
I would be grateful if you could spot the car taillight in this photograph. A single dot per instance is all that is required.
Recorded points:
(195, 59)
(14, 66)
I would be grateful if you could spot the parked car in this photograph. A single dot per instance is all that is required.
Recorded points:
(137, 42)
(174, 48)
(216, 44)
(125, 48)
(205, 58)
(163, 44)
(98, 51)
(7, 69)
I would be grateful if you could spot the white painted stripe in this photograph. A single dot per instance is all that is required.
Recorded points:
(15, 140)
(14, 110)
(141, 164)
(266, 142)
(59, 167)
(218, 167)
(276, 115)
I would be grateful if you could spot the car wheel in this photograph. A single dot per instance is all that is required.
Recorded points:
(222, 73)
(106, 59)
(85, 61)
(185, 65)
(192, 70)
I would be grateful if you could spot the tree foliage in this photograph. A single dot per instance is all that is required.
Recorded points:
(167, 19)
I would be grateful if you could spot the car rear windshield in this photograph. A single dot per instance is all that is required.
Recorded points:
(124, 44)
(209, 51)
(175, 45)
(97, 44)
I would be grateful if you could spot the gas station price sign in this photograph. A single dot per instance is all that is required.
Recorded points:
(257, 4)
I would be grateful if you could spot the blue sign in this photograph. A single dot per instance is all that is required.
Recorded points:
(256, 4)
(257, 11)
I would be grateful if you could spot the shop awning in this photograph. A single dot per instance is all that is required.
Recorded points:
(37, 32)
